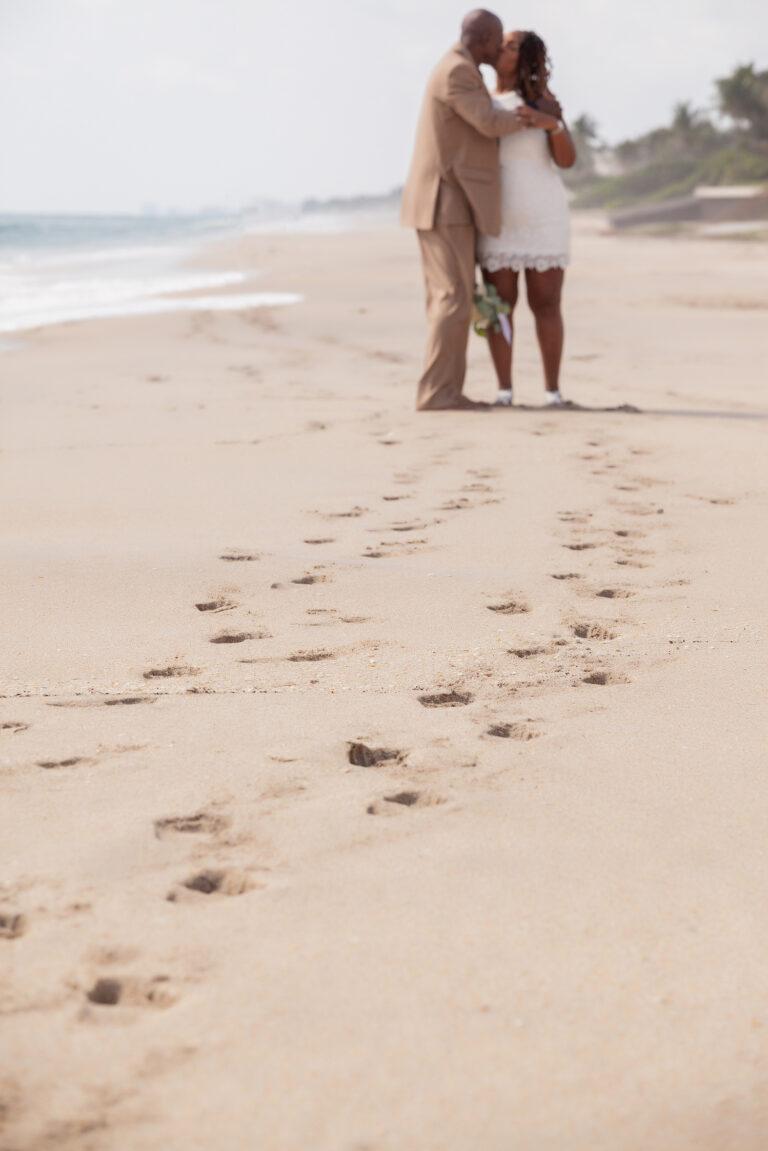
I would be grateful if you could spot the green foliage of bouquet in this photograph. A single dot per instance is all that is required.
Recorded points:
(490, 313)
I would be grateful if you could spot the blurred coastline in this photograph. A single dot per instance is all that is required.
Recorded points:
(58, 269)
(62, 268)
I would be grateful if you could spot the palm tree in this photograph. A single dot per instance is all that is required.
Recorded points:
(685, 119)
(585, 127)
(744, 98)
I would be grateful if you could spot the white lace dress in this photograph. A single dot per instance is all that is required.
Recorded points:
(535, 223)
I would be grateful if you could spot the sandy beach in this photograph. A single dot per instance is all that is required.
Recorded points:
(383, 781)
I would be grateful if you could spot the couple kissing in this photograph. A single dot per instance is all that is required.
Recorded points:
(484, 188)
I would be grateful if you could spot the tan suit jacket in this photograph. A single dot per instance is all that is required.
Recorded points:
(457, 143)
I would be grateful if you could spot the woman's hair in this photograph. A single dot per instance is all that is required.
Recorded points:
(532, 67)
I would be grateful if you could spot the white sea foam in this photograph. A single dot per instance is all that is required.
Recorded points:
(43, 283)
(15, 318)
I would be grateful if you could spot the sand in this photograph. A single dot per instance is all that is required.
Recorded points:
(382, 781)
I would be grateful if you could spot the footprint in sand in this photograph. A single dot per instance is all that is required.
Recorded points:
(715, 501)
(236, 556)
(509, 607)
(523, 732)
(410, 526)
(574, 517)
(446, 699)
(648, 482)
(127, 701)
(641, 509)
(311, 578)
(567, 575)
(351, 514)
(176, 671)
(216, 605)
(70, 761)
(460, 504)
(604, 678)
(320, 540)
(388, 803)
(484, 473)
(213, 881)
(479, 487)
(360, 755)
(120, 701)
(132, 992)
(592, 631)
(527, 652)
(13, 725)
(200, 823)
(12, 925)
(389, 548)
(238, 636)
(315, 656)
(614, 593)
(581, 547)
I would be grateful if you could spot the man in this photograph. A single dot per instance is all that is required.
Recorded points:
(452, 192)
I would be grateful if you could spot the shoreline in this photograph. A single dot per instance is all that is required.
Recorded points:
(220, 254)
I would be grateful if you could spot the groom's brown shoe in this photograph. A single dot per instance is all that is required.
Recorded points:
(463, 404)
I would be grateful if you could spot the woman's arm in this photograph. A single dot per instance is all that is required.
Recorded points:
(548, 117)
(561, 146)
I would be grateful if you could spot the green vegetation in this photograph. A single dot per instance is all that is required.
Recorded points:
(692, 150)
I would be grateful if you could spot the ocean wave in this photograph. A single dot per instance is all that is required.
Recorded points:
(43, 315)
(80, 268)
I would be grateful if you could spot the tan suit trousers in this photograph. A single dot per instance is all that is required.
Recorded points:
(448, 259)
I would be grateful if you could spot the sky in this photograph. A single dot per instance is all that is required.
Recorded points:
(117, 105)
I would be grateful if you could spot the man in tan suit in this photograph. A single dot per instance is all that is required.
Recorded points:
(452, 192)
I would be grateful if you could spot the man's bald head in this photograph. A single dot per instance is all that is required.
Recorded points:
(482, 32)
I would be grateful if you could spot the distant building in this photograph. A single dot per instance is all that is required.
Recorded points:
(706, 205)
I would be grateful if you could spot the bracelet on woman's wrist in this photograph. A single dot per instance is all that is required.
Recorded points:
(560, 127)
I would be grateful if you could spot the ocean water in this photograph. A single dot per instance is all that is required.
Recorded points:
(59, 269)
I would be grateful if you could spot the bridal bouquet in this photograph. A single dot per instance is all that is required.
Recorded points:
(491, 313)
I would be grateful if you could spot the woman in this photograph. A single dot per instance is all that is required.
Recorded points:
(535, 235)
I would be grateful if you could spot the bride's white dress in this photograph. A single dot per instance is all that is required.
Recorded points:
(535, 223)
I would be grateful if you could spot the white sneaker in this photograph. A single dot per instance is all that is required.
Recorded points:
(554, 400)
(503, 399)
